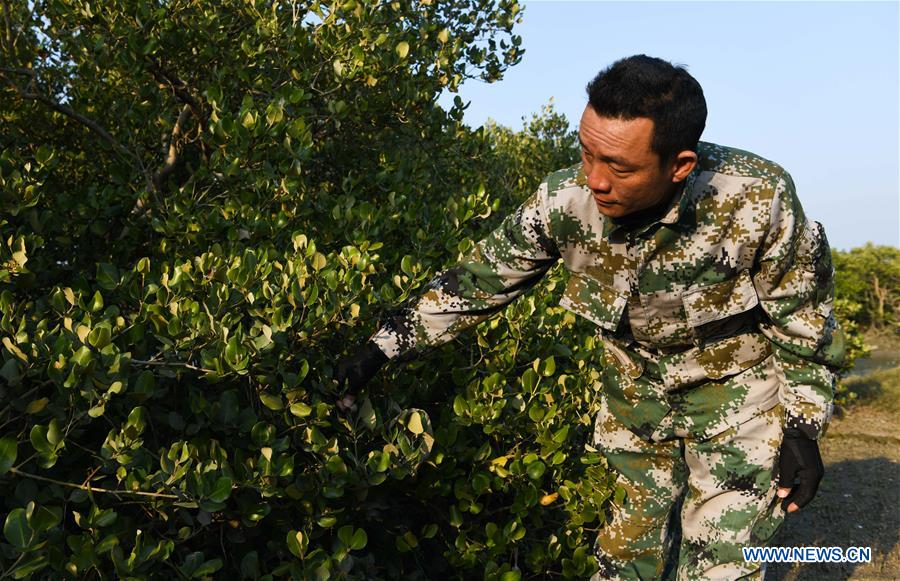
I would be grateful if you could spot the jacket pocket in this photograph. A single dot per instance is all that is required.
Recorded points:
(723, 320)
(717, 361)
(721, 300)
(593, 300)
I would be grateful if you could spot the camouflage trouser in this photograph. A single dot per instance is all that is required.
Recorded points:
(724, 486)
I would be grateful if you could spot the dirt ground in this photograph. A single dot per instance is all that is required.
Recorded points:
(858, 504)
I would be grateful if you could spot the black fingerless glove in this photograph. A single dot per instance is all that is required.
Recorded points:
(354, 371)
(800, 468)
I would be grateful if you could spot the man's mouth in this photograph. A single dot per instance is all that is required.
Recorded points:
(603, 202)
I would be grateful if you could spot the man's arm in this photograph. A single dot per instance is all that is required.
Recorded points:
(501, 267)
(795, 284)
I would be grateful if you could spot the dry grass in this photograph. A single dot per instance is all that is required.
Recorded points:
(859, 500)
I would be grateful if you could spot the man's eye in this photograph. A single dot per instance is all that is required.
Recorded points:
(619, 171)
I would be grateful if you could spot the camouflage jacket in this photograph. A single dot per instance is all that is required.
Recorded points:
(730, 276)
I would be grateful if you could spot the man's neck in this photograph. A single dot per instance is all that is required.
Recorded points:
(651, 214)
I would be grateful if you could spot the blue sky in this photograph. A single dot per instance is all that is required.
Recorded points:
(814, 86)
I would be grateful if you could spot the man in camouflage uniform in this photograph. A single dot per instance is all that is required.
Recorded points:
(712, 293)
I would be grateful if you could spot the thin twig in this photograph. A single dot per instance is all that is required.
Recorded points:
(12, 567)
(26, 23)
(9, 39)
(26, 394)
(172, 364)
(90, 488)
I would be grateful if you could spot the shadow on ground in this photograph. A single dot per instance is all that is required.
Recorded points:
(858, 506)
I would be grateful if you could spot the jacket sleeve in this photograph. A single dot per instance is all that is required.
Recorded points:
(502, 266)
(795, 284)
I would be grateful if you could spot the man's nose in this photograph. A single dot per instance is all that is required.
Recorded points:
(597, 179)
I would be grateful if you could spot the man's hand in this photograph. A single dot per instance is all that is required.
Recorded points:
(354, 372)
(800, 470)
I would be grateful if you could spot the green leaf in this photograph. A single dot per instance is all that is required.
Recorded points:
(250, 565)
(455, 517)
(222, 490)
(107, 544)
(529, 380)
(137, 419)
(16, 529)
(402, 49)
(31, 565)
(359, 540)
(304, 369)
(10, 372)
(429, 531)
(262, 433)
(481, 483)
(460, 406)
(145, 383)
(233, 351)
(367, 414)
(96, 302)
(560, 435)
(345, 534)
(536, 469)
(549, 366)
(297, 543)
(104, 518)
(43, 155)
(107, 276)
(274, 113)
(207, 568)
(44, 518)
(54, 436)
(273, 402)
(9, 450)
(83, 356)
(301, 410)
(100, 337)
(38, 437)
(406, 265)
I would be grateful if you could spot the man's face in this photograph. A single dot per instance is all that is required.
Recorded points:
(623, 173)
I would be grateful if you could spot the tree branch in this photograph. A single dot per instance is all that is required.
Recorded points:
(90, 488)
(172, 156)
(33, 95)
(172, 364)
(179, 87)
(181, 91)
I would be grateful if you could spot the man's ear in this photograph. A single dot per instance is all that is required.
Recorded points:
(683, 164)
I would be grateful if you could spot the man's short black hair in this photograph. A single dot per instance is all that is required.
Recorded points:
(643, 86)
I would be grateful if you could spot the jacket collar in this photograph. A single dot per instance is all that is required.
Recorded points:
(673, 215)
